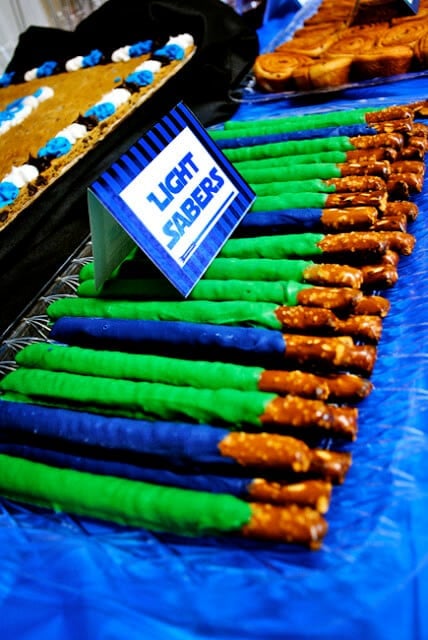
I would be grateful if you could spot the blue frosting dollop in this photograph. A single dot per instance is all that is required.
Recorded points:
(141, 78)
(8, 193)
(171, 51)
(6, 79)
(48, 68)
(101, 111)
(55, 148)
(92, 59)
(140, 48)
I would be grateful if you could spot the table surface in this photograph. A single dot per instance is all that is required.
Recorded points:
(64, 577)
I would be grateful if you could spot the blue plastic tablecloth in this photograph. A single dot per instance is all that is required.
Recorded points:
(64, 577)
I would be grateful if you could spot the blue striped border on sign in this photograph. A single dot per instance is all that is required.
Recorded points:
(183, 270)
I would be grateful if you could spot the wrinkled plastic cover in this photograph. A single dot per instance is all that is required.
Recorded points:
(64, 577)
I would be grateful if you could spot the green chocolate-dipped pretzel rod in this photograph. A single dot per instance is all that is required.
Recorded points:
(156, 508)
(301, 122)
(288, 293)
(366, 115)
(267, 270)
(290, 148)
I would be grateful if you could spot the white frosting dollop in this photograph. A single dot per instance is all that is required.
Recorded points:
(73, 132)
(31, 74)
(121, 54)
(20, 176)
(117, 96)
(149, 65)
(45, 93)
(183, 40)
(74, 64)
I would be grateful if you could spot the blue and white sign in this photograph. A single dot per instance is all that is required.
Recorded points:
(175, 195)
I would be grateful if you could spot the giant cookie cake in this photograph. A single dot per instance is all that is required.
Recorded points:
(53, 115)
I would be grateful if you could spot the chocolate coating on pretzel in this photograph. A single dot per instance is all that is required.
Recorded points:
(311, 493)
(302, 413)
(292, 524)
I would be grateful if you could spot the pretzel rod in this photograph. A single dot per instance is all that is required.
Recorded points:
(312, 244)
(290, 148)
(181, 445)
(333, 465)
(370, 115)
(352, 159)
(212, 342)
(288, 293)
(181, 372)
(267, 269)
(349, 184)
(229, 140)
(409, 209)
(149, 400)
(334, 219)
(318, 320)
(315, 145)
(309, 171)
(181, 511)
(390, 223)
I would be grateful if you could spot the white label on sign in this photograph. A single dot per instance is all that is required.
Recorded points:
(180, 195)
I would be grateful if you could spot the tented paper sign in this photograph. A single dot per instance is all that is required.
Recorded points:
(175, 195)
